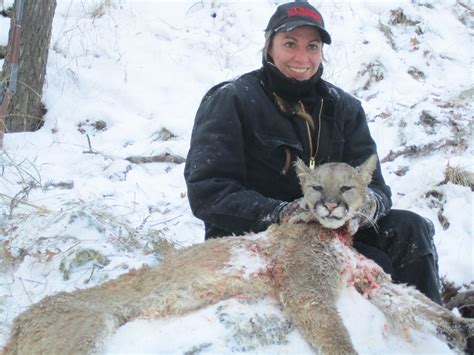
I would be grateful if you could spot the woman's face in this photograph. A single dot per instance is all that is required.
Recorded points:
(297, 54)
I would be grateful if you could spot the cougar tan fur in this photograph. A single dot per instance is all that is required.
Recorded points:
(303, 265)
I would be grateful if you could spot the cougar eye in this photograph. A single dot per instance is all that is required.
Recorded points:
(317, 188)
(346, 188)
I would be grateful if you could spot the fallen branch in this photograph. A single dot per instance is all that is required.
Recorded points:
(40, 209)
(414, 150)
(90, 151)
(466, 6)
(64, 185)
(162, 158)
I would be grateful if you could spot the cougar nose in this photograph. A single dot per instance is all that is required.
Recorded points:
(330, 205)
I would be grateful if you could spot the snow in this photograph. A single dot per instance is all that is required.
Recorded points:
(119, 74)
(246, 262)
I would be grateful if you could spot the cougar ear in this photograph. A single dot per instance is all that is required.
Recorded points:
(367, 169)
(302, 171)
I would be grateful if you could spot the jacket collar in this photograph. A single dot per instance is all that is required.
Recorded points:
(289, 88)
(309, 91)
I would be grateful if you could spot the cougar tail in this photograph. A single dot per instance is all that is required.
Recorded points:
(64, 324)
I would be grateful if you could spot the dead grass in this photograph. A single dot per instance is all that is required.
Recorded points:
(162, 246)
(459, 176)
(101, 9)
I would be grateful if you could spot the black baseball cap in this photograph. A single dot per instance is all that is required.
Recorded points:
(294, 14)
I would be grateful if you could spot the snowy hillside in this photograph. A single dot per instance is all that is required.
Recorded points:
(83, 200)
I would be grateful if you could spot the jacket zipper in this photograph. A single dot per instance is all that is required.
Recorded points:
(312, 158)
(287, 165)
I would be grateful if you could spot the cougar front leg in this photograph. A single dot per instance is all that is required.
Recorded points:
(308, 283)
(319, 321)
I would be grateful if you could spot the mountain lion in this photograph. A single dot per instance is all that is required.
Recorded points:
(303, 264)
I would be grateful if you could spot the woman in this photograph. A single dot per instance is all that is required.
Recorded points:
(249, 131)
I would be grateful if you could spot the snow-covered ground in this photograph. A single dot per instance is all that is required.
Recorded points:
(125, 78)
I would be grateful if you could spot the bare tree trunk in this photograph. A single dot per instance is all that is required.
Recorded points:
(26, 110)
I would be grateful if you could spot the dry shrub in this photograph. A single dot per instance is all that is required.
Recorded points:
(80, 258)
(161, 246)
(99, 10)
(372, 73)
(459, 176)
(460, 297)
(7, 260)
(398, 17)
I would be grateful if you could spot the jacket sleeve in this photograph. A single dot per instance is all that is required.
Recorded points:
(358, 147)
(215, 170)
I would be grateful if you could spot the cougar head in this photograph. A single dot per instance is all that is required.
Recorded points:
(334, 191)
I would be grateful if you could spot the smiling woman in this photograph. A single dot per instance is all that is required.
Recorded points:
(249, 132)
(297, 54)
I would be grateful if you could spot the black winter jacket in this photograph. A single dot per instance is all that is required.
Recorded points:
(239, 167)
